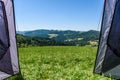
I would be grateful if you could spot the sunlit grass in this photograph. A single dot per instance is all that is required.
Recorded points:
(58, 63)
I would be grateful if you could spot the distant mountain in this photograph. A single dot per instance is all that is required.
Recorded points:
(66, 37)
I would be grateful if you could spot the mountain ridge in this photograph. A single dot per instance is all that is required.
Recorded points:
(65, 36)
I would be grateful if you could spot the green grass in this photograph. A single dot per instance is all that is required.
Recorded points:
(58, 63)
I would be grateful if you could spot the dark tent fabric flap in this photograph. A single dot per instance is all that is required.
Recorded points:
(108, 55)
(4, 36)
(8, 49)
(111, 65)
(114, 36)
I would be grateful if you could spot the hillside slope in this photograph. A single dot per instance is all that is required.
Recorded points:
(67, 37)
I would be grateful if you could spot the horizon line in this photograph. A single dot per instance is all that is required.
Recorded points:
(56, 30)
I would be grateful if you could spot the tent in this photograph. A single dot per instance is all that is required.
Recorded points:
(8, 49)
(108, 55)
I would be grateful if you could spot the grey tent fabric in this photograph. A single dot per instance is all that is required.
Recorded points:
(8, 49)
(4, 36)
(107, 59)
(114, 38)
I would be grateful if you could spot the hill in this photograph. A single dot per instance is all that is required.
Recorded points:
(66, 37)
(23, 41)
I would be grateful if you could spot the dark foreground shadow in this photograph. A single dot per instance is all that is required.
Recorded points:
(19, 77)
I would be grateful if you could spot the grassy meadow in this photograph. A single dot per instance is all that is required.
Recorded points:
(57, 63)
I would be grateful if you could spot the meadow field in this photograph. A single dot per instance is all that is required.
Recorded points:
(57, 63)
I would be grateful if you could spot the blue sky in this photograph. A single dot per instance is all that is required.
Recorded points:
(80, 15)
